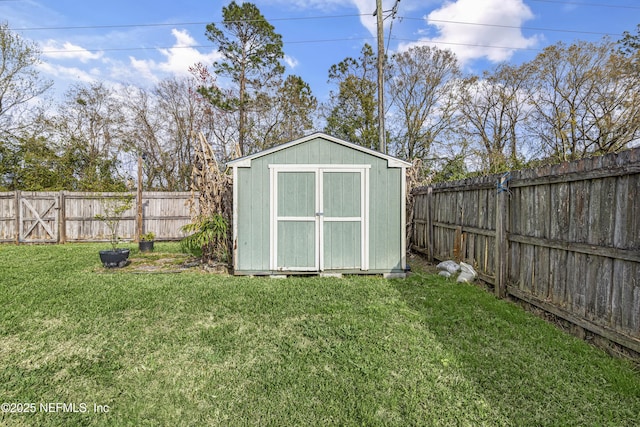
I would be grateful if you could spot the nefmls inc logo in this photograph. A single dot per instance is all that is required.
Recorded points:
(64, 407)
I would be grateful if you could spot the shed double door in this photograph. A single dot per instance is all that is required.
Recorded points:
(319, 217)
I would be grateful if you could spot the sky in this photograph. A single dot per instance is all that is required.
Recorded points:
(141, 42)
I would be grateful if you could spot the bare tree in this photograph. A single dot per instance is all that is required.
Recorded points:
(20, 82)
(494, 109)
(585, 102)
(287, 114)
(86, 130)
(222, 124)
(422, 89)
(163, 126)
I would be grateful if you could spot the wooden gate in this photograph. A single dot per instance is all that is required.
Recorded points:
(38, 217)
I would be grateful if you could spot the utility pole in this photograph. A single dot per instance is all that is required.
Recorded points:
(380, 18)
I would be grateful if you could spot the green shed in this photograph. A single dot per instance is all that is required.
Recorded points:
(319, 205)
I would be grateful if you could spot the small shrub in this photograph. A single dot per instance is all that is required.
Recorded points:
(113, 209)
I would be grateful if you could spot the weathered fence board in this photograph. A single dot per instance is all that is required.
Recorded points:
(166, 213)
(565, 238)
(8, 217)
(81, 224)
(49, 217)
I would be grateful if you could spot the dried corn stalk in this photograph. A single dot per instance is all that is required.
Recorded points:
(415, 178)
(211, 193)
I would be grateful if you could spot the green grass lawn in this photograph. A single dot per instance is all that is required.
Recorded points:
(193, 348)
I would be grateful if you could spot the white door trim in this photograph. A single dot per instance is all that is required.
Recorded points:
(319, 219)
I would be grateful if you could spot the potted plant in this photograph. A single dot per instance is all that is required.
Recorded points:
(146, 242)
(113, 208)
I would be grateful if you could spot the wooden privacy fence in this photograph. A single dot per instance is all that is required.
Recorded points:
(565, 238)
(62, 216)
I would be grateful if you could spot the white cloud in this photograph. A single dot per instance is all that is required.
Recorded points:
(496, 38)
(177, 59)
(291, 61)
(67, 63)
(142, 68)
(67, 50)
(366, 9)
(61, 72)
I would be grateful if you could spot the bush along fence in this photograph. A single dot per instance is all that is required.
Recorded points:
(564, 238)
(62, 216)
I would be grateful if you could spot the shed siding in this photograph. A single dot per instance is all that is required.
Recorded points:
(384, 205)
(384, 222)
(253, 218)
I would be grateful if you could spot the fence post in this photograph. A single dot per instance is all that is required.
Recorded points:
(429, 224)
(139, 218)
(501, 244)
(17, 207)
(62, 218)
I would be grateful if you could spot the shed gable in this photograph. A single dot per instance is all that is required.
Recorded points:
(336, 146)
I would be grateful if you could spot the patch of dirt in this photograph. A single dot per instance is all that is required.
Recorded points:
(419, 264)
(159, 263)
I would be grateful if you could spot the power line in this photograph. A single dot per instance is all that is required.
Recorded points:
(441, 21)
(572, 3)
(54, 51)
(176, 24)
(438, 42)
(98, 27)
(394, 13)
(349, 39)
(169, 24)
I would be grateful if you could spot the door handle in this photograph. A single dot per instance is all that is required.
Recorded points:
(319, 213)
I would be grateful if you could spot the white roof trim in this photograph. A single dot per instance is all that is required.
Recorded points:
(392, 162)
(242, 162)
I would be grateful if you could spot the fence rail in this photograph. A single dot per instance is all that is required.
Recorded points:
(62, 216)
(565, 238)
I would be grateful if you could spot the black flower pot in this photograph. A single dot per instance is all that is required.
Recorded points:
(145, 246)
(112, 259)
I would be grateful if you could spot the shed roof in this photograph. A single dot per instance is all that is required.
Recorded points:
(392, 162)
